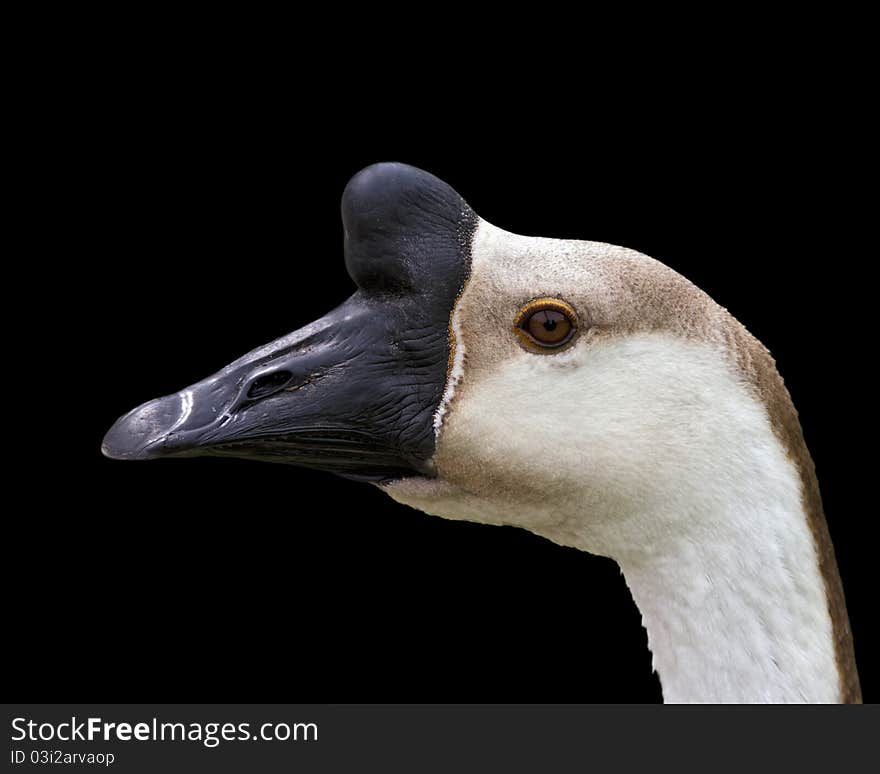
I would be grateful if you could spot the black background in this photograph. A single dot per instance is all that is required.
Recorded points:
(192, 214)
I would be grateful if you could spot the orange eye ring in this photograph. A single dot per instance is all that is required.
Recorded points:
(546, 324)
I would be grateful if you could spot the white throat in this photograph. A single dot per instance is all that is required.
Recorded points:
(729, 585)
(658, 456)
(740, 615)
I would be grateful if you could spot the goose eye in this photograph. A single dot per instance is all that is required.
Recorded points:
(546, 323)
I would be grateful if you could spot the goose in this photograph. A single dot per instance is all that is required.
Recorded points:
(579, 390)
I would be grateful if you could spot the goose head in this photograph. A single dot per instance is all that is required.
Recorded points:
(580, 390)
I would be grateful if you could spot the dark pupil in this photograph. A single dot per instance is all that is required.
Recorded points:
(547, 326)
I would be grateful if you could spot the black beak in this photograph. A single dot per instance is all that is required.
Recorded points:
(328, 396)
(354, 392)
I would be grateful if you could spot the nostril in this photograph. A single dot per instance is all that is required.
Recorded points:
(268, 383)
